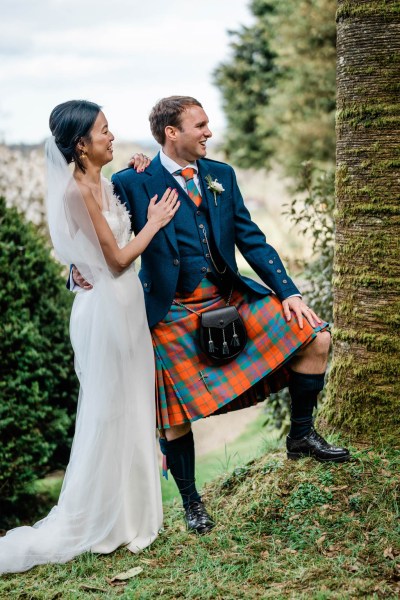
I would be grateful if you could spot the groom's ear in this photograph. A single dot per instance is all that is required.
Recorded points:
(171, 132)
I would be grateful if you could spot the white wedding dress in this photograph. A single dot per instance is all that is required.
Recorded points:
(111, 492)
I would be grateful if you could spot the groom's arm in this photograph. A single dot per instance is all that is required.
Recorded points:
(261, 256)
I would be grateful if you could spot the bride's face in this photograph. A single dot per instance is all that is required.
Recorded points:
(99, 149)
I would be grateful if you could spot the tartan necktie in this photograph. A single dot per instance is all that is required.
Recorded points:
(191, 187)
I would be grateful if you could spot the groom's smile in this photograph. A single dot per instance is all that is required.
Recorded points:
(190, 139)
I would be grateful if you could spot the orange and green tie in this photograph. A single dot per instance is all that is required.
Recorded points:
(191, 187)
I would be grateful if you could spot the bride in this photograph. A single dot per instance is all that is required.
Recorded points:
(111, 491)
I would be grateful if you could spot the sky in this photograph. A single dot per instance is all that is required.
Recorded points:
(122, 54)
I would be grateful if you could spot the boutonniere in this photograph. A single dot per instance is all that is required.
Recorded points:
(215, 187)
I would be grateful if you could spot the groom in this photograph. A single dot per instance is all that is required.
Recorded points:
(192, 261)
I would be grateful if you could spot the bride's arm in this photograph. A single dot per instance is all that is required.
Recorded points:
(159, 214)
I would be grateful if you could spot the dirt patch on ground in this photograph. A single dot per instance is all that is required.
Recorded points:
(214, 432)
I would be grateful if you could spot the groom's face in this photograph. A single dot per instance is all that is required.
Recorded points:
(191, 138)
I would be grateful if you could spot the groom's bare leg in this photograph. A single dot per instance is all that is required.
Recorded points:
(314, 357)
(177, 431)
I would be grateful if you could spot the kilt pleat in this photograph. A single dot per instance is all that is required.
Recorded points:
(190, 386)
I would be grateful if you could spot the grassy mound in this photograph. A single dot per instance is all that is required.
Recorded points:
(285, 530)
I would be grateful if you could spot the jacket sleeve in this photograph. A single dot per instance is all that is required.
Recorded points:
(260, 255)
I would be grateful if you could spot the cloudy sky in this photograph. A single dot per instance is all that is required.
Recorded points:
(123, 54)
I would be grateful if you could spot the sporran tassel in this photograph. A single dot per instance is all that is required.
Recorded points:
(235, 337)
(225, 349)
(211, 347)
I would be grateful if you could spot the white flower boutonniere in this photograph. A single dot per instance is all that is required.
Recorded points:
(215, 187)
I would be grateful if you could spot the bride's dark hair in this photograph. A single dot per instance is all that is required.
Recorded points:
(71, 121)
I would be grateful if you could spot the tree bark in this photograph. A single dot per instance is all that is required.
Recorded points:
(364, 392)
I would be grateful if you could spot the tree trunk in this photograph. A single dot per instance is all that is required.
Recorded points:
(364, 392)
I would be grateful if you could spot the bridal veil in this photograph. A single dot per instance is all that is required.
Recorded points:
(111, 490)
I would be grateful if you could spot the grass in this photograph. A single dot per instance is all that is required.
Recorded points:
(284, 529)
(254, 441)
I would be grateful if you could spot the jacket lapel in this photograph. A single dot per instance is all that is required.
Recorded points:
(157, 182)
(207, 194)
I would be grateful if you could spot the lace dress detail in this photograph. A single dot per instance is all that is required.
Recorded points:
(116, 214)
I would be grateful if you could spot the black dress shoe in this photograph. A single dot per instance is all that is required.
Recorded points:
(198, 519)
(314, 445)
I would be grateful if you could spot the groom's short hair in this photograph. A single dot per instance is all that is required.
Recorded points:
(168, 111)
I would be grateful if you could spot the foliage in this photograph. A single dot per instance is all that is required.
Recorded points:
(313, 211)
(246, 82)
(37, 385)
(279, 85)
(284, 529)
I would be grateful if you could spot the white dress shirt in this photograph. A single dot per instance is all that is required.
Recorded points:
(172, 167)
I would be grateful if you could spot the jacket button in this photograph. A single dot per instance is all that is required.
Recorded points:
(204, 269)
(176, 262)
(145, 285)
(279, 270)
(271, 262)
(284, 280)
(201, 226)
(198, 212)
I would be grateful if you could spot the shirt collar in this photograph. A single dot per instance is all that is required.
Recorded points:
(172, 166)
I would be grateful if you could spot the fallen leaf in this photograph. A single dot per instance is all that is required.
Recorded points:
(293, 517)
(388, 553)
(321, 539)
(127, 574)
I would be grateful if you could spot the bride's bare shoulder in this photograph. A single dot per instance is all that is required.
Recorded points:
(82, 189)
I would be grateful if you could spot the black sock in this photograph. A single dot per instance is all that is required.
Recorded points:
(304, 390)
(180, 461)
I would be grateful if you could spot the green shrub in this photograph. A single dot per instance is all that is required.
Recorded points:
(313, 212)
(38, 386)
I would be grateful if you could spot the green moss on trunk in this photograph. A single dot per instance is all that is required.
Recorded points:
(364, 389)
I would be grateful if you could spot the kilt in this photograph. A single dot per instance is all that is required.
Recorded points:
(189, 386)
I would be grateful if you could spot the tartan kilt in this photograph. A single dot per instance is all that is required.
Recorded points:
(183, 396)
